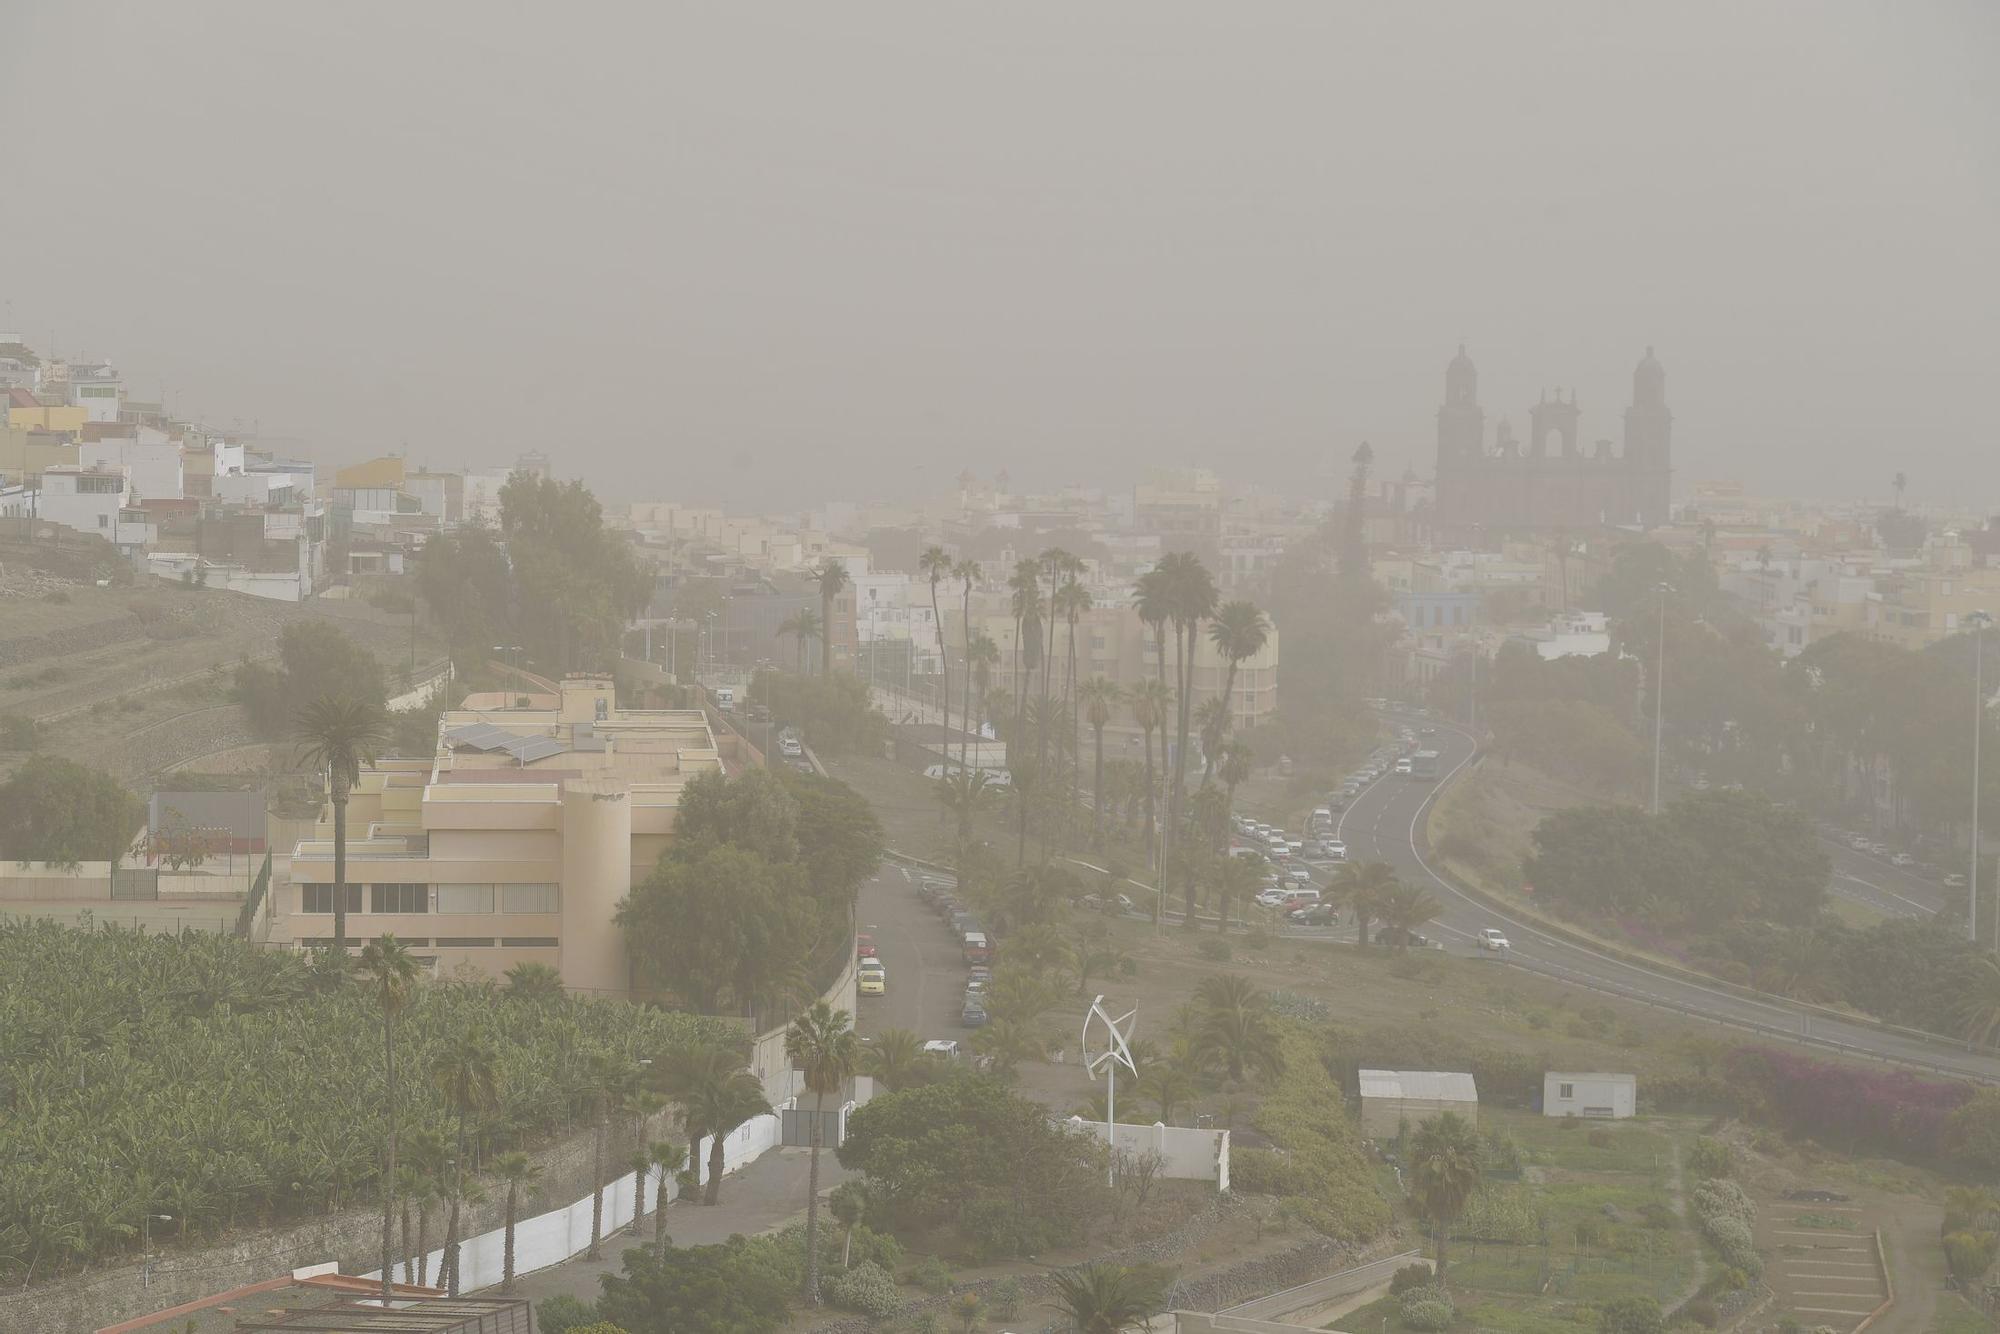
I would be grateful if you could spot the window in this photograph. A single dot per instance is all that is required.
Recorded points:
(103, 521)
(319, 898)
(529, 898)
(464, 942)
(529, 942)
(1565, 1092)
(399, 898)
(465, 898)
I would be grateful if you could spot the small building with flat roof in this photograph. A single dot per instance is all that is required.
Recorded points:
(1601, 1096)
(1391, 1099)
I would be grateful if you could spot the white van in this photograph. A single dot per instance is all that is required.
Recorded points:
(725, 698)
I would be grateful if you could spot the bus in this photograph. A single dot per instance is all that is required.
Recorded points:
(1424, 766)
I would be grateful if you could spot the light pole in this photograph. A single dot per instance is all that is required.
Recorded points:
(1660, 691)
(1980, 622)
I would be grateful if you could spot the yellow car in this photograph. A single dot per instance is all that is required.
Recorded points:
(875, 982)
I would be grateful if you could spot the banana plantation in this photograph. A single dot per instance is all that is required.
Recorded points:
(222, 1086)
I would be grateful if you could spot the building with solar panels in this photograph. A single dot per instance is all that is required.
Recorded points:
(514, 841)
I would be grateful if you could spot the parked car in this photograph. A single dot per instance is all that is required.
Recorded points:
(1319, 914)
(1090, 903)
(1902, 859)
(873, 982)
(973, 1015)
(1395, 935)
(1403, 768)
(864, 946)
(1334, 850)
(944, 1047)
(1492, 938)
(1272, 897)
(976, 985)
(975, 949)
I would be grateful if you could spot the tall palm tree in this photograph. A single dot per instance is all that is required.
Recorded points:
(428, 1155)
(604, 1075)
(965, 571)
(1054, 562)
(670, 1158)
(1025, 601)
(982, 655)
(823, 1047)
(1191, 596)
(1366, 887)
(1236, 880)
(519, 1171)
(832, 578)
(1444, 1173)
(685, 1077)
(1234, 771)
(338, 735)
(895, 1059)
(1901, 482)
(1072, 600)
(804, 626)
(1151, 599)
(392, 973)
(1100, 696)
(1151, 702)
(466, 1073)
(1235, 1027)
(1238, 631)
(935, 565)
(643, 1104)
(1105, 1298)
(962, 794)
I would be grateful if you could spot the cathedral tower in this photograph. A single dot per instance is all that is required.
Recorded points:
(1649, 431)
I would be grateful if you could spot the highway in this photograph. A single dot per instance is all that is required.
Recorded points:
(1385, 823)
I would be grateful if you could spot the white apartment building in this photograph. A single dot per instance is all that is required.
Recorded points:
(94, 500)
(152, 462)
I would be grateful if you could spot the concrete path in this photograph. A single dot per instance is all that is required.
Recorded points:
(763, 1197)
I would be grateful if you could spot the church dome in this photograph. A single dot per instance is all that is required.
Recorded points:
(1649, 382)
(1461, 381)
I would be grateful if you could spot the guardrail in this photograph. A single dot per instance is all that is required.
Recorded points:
(1321, 1290)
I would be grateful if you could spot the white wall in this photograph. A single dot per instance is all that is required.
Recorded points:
(96, 512)
(1185, 1154)
(153, 469)
(1590, 1095)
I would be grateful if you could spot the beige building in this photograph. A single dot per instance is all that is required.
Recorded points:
(1391, 1099)
(1914, 609)
(515, 841)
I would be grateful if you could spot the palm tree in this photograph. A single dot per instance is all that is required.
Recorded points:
(849, 1205)
(832, 578)
(1444, 1173)
(1025, 601)
(1152, 601)
(1005, 1043)
(1979, 1012)
(428, 1155)
(1150, 702)
(466, 1074)
(604, 1074)
(1235, 1027)
(1171, 1086)
(1236, 879)
(982, 655)
(965, 571)
(1190, 596)
(1405, 908)
(339, 735)
(803, 625)
(534, 982)
(392, 973)
(1072, 600)
(962, 794)
(671, 1158)
(1100, 696)
(935, 565)
(1238, 631)
(1901, 482)
(895, 1059)
(1053, 562)
(822, 1046)
(719, 1104)
(1234, 771)
(1105, 1298)
(1365, 886)
(517, 1169)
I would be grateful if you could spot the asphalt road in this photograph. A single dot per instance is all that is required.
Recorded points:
(926, 971)
(1384, 823)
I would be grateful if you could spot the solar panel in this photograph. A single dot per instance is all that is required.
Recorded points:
(480, 736)
(529, 749)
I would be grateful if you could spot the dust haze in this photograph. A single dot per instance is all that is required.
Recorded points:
(764, 255)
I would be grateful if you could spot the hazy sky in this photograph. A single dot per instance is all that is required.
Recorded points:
(776, 253)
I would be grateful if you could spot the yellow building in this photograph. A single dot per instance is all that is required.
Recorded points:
(515, 842)
(385, 473)
(26, 454)
(1914, 609)
(43, 417)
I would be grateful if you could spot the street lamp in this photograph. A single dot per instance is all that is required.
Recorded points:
(1980, 622)
(1660, 691)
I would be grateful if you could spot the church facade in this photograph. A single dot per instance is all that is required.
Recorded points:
(1549, 480)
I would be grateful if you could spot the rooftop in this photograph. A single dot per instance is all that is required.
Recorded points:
(1422, 1085)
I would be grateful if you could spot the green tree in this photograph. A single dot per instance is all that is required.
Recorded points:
(982, 655)
(936, 566)
(1630, 1315)
(337, 734)
(1365, 887)
(739, 1287)
(720, 1100)
(1444, 1173)
(575, 582)
(966, 571)
(466, 1074)
(392, 972)
(1236, 1027)
(848, 1202)
(605, 1074)
(520, 1172)
(1105, 1298)
(1190, 601)
(529, 981)
(315, 660)
(831, 578)
(822, 1047)
(1151, 703)
(671, 1159)
(895, 1059)
(1404, 908)
(55, 810)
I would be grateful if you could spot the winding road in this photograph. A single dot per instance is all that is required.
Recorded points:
(1386, 823)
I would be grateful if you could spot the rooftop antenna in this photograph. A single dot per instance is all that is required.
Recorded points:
(1116, 1053)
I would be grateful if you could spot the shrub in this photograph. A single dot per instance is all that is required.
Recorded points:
(1259, 940)
(1409, 1276)
(1428, 1308)
(931, 1274)
(1657, 1215)
(1702, 1312)
(1334, 1186)
(927, 1322)
(1006, 1298)
(1725, 1215)
(867, 1289)
(1630, 1315)
(1711, 1157)
(562, 1313)
(1569, 1122)
(1970, 1254)
(1598, 1138)
(1262, 1172)
(1214, 949)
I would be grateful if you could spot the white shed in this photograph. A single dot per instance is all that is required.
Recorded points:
(1612, 1097)
(1390, 1098)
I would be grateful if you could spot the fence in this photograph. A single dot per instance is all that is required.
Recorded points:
(1185, 1154)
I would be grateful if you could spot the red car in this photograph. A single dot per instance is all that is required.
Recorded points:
(864, 947)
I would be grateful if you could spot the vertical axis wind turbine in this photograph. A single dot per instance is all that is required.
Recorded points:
(1116, 1053)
